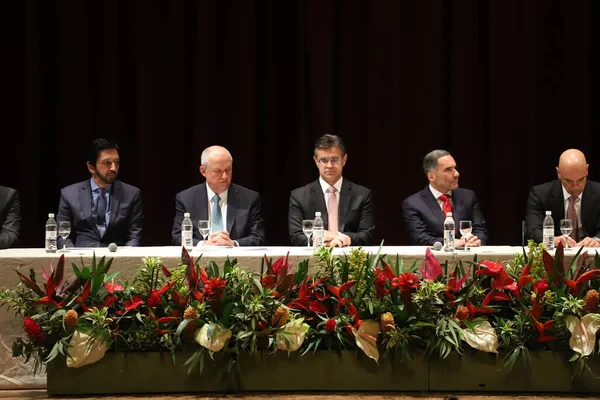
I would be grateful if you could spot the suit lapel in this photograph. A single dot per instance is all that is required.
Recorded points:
(232, 207)
(85, 199)
(200, 208)
(318, 201)
(345, 197)
(432, 203)
(116, 197)
(557, 202)
(589, 201)
(456, 208)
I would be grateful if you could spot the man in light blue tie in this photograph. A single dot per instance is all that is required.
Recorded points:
(233, 210)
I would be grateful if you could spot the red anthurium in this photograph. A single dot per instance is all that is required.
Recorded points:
(575, 286)
(154, 299)
(491, 268)
(113, 287)
(133, 303)
(108, 301)
(431, 269)
(330, 325)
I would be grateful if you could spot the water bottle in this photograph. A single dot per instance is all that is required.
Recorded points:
(187, 232)
(51, 234)
(318, 231)
(548, 227)
(449, 232)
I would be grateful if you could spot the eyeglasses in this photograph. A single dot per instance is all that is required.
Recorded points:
(326, 160)
(109, 164)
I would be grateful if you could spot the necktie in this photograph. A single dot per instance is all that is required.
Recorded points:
(217, 217)
(572, 215)
(332, 209)
(101, 207)
(446, 205)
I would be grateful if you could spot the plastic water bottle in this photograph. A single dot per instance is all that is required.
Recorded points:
(187, 232)
(548, 227)
(51, 234)
(318, 231)
(449, 232)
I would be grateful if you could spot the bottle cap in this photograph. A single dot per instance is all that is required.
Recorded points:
(317, 213)
(448, 214)
(548, 212)
(186, 215)
(51, 215)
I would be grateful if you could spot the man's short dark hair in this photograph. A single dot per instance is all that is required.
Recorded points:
(430, 161)
(327, 141)
(98, 145)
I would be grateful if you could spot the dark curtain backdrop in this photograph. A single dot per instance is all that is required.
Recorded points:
(506, 86)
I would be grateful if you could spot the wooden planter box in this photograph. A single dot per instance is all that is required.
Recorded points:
(323, 371)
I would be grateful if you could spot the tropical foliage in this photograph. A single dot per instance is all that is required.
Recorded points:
(362, 302)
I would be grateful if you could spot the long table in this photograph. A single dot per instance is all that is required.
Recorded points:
(14, 374)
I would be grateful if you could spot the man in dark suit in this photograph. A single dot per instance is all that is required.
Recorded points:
(424, 211)
(233, 210)
(353, 223)
(10, 217)
(570, 196)
(102, 209)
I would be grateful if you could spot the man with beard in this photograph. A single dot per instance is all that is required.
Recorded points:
(102, 210)
(425, 211)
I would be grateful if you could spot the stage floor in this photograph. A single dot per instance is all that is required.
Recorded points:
(41, 394)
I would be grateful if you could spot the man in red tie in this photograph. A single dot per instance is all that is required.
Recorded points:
(424, 212)
(571, 196)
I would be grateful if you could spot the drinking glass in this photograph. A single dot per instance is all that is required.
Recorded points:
(566, 227)
(204, 228)
(64, 230)
(307, 228)
(465, 227)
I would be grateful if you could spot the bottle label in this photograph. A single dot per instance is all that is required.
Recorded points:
(448, 240)
(50, 235)
(548, 239)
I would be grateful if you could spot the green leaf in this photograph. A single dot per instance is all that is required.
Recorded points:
(225, 318)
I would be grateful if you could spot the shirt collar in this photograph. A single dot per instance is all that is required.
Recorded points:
(95, 186)
(566, 194)
(325, 185)
(437, 193)
(211, 194)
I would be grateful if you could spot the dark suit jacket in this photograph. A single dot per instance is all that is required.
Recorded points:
(424, 219)
(126, 218)
(244, 221)
(549, 197)
(355, 210)
(10, 217)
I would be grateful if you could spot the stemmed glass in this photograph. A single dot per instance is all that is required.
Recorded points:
(566, 227)
(204, 228)
(307, 228)
(64, 230)
(465, 228)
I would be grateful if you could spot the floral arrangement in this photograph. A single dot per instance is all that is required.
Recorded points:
(361, 302)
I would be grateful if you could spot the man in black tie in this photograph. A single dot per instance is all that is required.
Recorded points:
(424, 211)
(570, 196)
(102, 209)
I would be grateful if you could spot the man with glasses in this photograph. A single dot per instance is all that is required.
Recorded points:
(346, 208)
(102, 210)
(571, 196)
(425, 211)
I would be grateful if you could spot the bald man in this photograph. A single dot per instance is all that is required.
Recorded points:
(571, 196)
(234, 211)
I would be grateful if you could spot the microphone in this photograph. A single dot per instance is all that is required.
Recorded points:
(112, 247)
(437, 246)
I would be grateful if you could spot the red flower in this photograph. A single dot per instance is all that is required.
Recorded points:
(330, 325)
(575, 286)
(380, 282)
(406, 282)
(133, 303)
(154, 299)
(113, 287)
(540, 287)
(431, 266)
(213, 288)
(33, 330)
